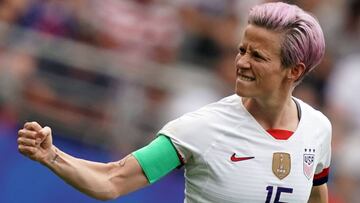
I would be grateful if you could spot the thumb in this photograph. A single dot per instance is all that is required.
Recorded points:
(43, 133)
(45, 136)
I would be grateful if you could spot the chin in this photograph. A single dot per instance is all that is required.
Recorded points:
(239, 92)
(243, 92)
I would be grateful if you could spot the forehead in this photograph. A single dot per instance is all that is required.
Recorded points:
(262, 39)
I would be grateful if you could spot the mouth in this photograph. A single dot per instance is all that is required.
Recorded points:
(244, 77)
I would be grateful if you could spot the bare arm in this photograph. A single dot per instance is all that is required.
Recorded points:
(99, 180)
(319, 194)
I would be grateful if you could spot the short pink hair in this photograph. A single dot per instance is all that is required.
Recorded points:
(303, 37)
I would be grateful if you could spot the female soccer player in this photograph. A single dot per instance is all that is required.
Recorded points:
(258, 145)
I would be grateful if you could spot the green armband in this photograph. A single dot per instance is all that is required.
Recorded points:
(157, 158)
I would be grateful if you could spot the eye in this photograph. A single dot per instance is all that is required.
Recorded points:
(257, 55)
(242, 50)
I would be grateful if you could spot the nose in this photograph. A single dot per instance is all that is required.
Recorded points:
(242, 61)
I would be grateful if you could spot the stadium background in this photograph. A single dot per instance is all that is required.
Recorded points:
(107, 75)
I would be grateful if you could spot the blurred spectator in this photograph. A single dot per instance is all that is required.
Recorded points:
(61, 18)
(225, 70)
(49, 17)
(140, 30)
(192, 88)
(344, 111)
(312, 89)
(15, 70)
(137, 116)
(11, 10)
(210, 29)
(348, 40)
(347, 174)
(342, 96)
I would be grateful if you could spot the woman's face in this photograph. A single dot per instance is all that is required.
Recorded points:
(259, 72)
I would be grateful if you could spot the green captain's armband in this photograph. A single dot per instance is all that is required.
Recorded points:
(157, 158)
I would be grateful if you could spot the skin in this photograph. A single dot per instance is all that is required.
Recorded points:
(319, 194)
(102, 181)
(267, 96)
(261, 80)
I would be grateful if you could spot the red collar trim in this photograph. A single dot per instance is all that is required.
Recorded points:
(280, 134)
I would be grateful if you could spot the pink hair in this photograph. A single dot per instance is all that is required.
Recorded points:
(303, 37)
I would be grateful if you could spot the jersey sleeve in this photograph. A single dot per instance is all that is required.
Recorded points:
(191, 134)
(323, 167)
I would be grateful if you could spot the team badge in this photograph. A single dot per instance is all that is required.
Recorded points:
(281, 164)
(308, 164)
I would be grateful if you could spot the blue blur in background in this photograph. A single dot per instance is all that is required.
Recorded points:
(26, 181)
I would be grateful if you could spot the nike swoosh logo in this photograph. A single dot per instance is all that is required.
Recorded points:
(234, 158)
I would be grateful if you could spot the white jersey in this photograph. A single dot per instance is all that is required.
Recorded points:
(229, 157)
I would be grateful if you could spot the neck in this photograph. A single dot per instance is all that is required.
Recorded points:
(273, 114)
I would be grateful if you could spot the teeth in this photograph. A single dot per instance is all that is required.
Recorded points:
(246, 78)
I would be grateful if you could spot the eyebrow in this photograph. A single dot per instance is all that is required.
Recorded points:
(261, 53)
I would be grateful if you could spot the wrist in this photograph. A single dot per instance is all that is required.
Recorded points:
(51, 157)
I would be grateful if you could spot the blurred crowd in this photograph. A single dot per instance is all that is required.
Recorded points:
(169, 57)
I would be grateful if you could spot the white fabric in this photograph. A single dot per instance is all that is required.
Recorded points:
(208, 137)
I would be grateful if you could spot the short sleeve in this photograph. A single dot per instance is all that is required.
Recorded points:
(191, 134)
(323, 167)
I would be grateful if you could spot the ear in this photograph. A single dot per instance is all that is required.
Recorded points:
(296, 72)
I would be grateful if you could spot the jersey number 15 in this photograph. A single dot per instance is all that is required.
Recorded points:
(278, 193)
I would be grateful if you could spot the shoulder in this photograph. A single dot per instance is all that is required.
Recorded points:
(314, 116)
(226, 104)
(195, 131)
(207, 116)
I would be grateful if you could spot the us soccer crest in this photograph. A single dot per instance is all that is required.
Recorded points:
(308, 164)
(281, 164)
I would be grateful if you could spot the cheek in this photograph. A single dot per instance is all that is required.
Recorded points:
(268, 73)
(275, 78)
(261, 71)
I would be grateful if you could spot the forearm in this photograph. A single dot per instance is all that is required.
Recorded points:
(99, 180)
(91, 178)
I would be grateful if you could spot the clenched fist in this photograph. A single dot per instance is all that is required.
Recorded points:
(35, 141)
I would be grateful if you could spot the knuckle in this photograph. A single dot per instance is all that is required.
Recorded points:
(21, 134)
(20, 131)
